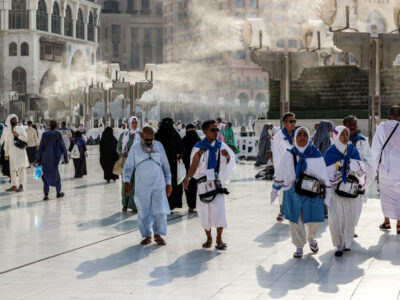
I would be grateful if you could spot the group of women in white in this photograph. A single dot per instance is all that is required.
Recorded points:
(338, 179)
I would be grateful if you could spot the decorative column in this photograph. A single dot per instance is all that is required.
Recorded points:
(85, 31)
(49, 21)
(32, 19)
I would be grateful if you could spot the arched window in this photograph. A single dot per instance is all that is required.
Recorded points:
(159, 9)
(41, 16)
(12, 49)
(24, 49)
(91, 27)
(56, 19)
(80, 27)
(18, 15)
(19, 80)
(68, 22)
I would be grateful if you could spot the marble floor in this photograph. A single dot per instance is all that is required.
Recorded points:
(83, 247)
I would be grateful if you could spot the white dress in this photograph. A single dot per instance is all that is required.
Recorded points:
(213, 214)
(342, 211)
(389, 170)
(17, 157)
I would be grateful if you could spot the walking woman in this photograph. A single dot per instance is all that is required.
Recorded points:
(229, 135)
(264, 145)
(172, 142)
(126, 140)
(80, 161)
(108, 154)
(190, 139)
(4, 163)
(322, 138)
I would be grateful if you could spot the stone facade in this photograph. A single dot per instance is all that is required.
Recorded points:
(42, 43)
(131, 33)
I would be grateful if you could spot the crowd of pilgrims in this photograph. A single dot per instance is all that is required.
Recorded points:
(319, 176)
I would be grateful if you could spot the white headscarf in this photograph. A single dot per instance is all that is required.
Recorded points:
(301, 149)
(337, 131)
(8, 120)
(129, 131)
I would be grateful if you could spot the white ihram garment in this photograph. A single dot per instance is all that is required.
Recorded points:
(279, 146)
(366, 157)
(389, 169)
(213, 214)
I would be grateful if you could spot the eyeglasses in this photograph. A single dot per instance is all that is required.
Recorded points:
(292, 121)
(148, 140)
(214, 130)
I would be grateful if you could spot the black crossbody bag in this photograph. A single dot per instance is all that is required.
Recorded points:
(307, 185)
(387, 141)
(209, 189)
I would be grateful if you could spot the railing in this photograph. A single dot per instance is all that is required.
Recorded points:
(18, 19)
(41, 21)
(56, 24)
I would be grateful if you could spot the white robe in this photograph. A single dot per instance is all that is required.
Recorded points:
(366, 156)
(17, 157)
(342, 211)
(213, 214)
(389, 169)
(278, 147)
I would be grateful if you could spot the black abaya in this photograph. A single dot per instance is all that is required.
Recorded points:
(108, 153)
(172, 142)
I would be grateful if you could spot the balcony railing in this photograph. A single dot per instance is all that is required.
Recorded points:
(18, 19)
(56, 24)
(41, 21)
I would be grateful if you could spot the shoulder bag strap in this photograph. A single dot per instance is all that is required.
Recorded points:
(387, 141)
(294, 162)
(219, 160)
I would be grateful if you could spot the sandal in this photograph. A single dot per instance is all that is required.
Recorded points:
(385, 226)
(207, 244)
(160, 241)
(146, 241)
(221, 246)
(279, 218)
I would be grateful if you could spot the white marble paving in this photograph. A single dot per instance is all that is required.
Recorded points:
(257, 265)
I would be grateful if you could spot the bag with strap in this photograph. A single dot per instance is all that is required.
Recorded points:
(75, 153)
(119, 165)
(20, 143)
(209, 189)
(387, 141)
(181, 172)
(307, 185)
(350, 189)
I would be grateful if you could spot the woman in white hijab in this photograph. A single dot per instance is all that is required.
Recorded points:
(303, 166)
(126, 140)
(345, 168)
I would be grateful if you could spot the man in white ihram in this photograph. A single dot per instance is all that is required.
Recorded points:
(282, 141)
(386, 153)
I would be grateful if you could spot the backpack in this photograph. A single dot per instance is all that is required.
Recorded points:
(75, 153)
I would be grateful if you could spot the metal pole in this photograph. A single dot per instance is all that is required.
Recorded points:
(374, 99)
(285, 86)
(87, 110)
(108, 97)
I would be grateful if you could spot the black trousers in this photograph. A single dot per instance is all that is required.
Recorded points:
(191, 193)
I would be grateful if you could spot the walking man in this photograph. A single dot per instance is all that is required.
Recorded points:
(66, 135)
(282, 141)
(386, 154)
(211, 159)
(16, 156)
(33, 143)
(50, 151)
(148, 164)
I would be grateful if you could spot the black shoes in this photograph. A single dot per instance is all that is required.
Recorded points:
(60, 195)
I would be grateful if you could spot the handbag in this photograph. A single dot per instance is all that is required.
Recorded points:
(19, 143)
(181, 172)
(307, 185)
(209, 189)
(350, 189)
(119, 165)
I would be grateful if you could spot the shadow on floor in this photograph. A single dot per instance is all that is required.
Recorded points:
(186, 266)
(91, 185)
(277, 233)
(114, 261)
(104, 222)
